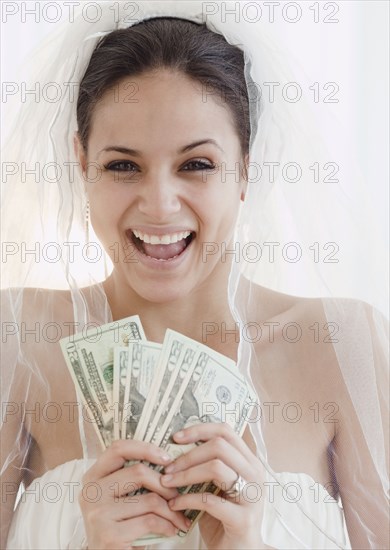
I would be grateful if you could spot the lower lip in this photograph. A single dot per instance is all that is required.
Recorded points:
(162, 265)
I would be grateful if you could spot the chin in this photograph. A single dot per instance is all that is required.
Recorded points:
(161, 294)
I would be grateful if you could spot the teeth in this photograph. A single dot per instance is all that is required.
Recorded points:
(162, 239)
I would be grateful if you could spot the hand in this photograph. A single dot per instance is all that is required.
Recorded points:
(228, 522)
(116, 520)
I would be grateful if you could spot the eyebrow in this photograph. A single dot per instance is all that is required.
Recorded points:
(136, 153)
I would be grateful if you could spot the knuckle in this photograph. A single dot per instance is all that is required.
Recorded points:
(117, 447)
(195, 431)
(219, 443)
(227, 430)
(149, 447)
(182, 479)
(184, 461)
(154, 500)
(216, 467)
(151, 522)
(138, 471)
(130, 486)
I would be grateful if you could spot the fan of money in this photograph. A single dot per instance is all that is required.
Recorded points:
(137, 389)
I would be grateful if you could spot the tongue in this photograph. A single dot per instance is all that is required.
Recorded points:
(164, 251)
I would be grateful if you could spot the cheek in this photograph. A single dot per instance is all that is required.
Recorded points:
(106, 211)
(225, 200)
(108, 200)
(218, 214)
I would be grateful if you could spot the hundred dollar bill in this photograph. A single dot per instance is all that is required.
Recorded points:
(89, 358)
(143, 358)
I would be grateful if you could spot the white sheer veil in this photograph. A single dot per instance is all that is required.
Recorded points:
(301, 232)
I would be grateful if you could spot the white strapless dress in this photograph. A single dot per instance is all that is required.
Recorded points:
(48, 515)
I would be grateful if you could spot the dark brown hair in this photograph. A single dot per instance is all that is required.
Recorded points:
(167, 42)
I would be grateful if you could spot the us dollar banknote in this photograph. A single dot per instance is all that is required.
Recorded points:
(207, 388)
(137, 389)
(89, 358)
(143, 358)
(121, 368)
(169, 361)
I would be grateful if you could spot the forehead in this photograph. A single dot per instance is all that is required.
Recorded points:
(159, 107)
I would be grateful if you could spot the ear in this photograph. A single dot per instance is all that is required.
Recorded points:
(244, 182)
(80, 153)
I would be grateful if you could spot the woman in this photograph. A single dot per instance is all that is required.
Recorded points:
(164, 146)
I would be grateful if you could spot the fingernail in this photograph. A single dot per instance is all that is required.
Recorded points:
(165, 457)
(179, 435)
(172, 502)
(167, 478)
(169, 469)
(188, 522)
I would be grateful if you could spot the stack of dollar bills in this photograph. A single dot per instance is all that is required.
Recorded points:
(136, 389)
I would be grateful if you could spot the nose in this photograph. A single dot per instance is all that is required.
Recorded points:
(158, 198)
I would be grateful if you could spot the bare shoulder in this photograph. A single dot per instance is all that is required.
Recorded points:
(310, 338)
(29, 303)
(43, 305)
(292, 318)
(33, 321)
(322, 317)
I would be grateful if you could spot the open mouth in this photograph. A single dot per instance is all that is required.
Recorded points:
(161, 247)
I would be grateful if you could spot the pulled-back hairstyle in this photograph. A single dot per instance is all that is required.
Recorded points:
(173, 43)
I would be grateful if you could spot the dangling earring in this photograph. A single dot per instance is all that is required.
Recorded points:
(87, 216)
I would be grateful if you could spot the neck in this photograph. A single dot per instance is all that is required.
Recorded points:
(203, 314)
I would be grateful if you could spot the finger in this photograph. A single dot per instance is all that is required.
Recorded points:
(224, 510)
(121, 535)
(132, 478)
(145, 525)
(217, 448)
(214, 470)
(121, 450)
(150, 503)
(211, 430)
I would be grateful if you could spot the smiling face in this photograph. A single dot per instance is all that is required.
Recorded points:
(169, 186)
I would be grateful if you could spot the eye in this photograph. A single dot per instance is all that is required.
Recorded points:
(196, 165)
(121, 166)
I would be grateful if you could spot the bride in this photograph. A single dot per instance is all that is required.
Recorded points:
(166, 135)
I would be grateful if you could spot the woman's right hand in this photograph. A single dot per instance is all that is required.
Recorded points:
(114, 520)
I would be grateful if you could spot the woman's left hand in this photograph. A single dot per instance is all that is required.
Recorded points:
(228, 522)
